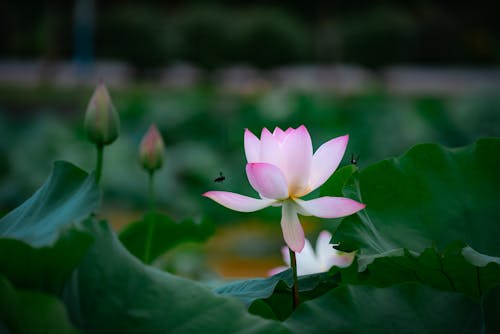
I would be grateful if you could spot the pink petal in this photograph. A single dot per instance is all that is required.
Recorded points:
(326, 160)
(292, 230)
(238, 202)
(297, 157)
(286, 255)
(270, 151)
(267, 180)
(277, 270)
(330, 207)
(279, 134)
(252, 146)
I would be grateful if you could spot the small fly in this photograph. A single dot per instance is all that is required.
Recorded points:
(354, 159)
(220, 178)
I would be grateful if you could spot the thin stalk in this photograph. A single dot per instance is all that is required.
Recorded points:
(98, 167)
(151, 190)
(295, 287)
(151, 218)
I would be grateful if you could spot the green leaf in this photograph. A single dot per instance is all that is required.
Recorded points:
(252, 289)
(449, 270)
(271, 297)
(166, 233)
(431, 216)
(491, 310)
(405, 308)
(113, 292)
(44, 268)
(67, 196)
(25, 312)
(336, 183)
(430, 197)
(39, 244)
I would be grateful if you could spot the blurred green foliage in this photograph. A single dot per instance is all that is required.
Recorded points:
(203, 132)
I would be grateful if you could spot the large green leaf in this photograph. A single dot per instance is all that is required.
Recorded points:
(431, 216)
(113, 292)
(165, 234)
(406, 308)
(430, 197)
(25, 312)
(252, 289)
(39, 244)
(449, 270)
(44, 268)
(67, 196)
(271, 297)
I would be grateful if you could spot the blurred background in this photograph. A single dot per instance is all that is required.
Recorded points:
(391, 74)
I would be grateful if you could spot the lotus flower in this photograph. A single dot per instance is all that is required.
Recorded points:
(309, 262)
(282, 168)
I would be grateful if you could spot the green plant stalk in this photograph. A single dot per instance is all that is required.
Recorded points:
(295, 287)
(98, 167)
(151, 225)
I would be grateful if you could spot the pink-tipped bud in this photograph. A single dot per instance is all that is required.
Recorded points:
(102, 123)
(151, 150)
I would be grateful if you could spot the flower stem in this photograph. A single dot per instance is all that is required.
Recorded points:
(98, 167)
(295, 287)
(151, 191)
(151, 218)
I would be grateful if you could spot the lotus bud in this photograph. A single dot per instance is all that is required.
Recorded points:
(151, 150)
(102, 123)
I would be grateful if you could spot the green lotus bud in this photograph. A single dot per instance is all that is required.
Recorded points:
(102, 123)
(151, 150)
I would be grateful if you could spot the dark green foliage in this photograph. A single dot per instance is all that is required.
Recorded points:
(133, 33)
(431, 217)
(406, 308)
(112, 291)
(378, 37)
(427, 260)
(430, 197)
(29, 312)
(166, 233)
(67, 196)
(266, 38)
(39, 243)
(271, 297)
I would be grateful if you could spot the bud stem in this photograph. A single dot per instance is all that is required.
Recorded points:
(295, 287)
(98, 168)
(151, 190)
(151, 220)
